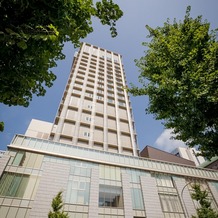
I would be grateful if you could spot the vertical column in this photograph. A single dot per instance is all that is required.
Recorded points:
(129, 115)
(128, 211)
(81, 100)
(94, 193)
(3, 163)
(54, 179)
(105, 105)
(151, 198)
(185, 197)
(119, 143)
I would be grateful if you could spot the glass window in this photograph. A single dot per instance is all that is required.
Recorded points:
(137, 200)
(18, 158)
(78, 191)
(110, 196)
(164, 180)
(13, 184)
(170, 203)
(27, 159)
(109, 172)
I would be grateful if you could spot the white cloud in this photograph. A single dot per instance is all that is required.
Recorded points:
(163, 142)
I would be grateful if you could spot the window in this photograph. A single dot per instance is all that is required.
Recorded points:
(110, 100)
(89, 95)
(100, 91)
(13, 184)
(78, 191)
(110, 93)
(137, 200)
(87, 134)
(164, 180)
(110, 88)
(121, 103)
(99, 97)
(90, 106)
(109, 173)
(170, 203)
(88, 118)
(28, 159)
(110, 196)
(110, 82)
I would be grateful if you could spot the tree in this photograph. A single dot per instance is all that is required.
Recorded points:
(32, 35)
(179, 73)
(57, 204)
(205, 210)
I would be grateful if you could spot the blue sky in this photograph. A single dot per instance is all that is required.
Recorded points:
(131, 33)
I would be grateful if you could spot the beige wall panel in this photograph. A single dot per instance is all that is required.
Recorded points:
(99, 121)
(111, 110)
(82, 130)
(124, 127)
(99, 107)
(112, 138)
(74, 101)
(71, 114)
(68, 129)
(87, 104)
(98, 135)
(126, 141)
(111, 123)
(122, 113)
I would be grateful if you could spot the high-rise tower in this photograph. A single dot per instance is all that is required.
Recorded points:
(95, 110)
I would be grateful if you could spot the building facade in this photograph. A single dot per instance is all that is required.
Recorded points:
(157, 154)
(95, 110)
(189, 154)
(90, 153)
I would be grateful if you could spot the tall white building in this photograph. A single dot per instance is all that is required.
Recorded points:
(95, 110)
(90, 153)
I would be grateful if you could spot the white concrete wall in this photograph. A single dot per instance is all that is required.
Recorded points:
(54, 179)
(39, 129)
(151, 198)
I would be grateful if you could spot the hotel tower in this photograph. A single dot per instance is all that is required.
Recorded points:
(95, 110)
(90, 153)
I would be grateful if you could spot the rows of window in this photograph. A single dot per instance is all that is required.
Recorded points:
(101, 67)
(91, 75)
(100, 96)
(102, 59)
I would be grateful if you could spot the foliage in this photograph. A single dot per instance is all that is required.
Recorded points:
(179, 73)
(57, 204)
(1, 126)
(32, 35)
(205, 210)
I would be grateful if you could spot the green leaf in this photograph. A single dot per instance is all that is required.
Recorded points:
(22, 45)
(1, 126)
